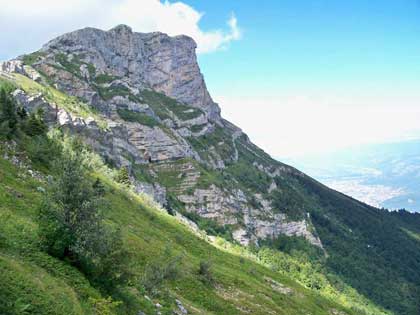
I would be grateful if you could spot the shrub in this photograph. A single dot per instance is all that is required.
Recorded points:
(166, 267)
(35, 125)
(72, 227)
(30, 59)
(105, 78)
(123, 176)
(99, 188)
(8, 116)
(141, 118)
(103, 306)
(205, 272)
(42, 151)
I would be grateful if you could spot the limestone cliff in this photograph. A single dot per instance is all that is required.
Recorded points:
(165, 64)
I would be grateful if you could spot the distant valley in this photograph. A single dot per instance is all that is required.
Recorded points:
(381, 175)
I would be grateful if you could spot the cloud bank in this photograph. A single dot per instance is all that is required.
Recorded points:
(26, 24)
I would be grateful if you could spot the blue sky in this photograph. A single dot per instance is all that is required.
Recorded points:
(332, 60)
(316, 43)
(298, 76)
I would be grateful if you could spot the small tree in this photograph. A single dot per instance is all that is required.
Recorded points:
(98, 188)
(70, 208)
(72, 226)
(123, 176)
(164, 267)
(8, 116)
(35, 124)
(205, 272)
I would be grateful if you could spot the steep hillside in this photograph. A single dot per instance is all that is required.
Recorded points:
(32, 282)
(140, 102)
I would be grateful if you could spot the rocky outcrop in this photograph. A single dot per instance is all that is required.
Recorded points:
(154, 190)
(124, 143)
(17, 66)
(165, 64)
(250, 224)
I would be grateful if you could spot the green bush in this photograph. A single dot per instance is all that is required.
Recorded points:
(104, 78)
(42, 151)
(34, 125)
(109, 92)
(250, 177)
(123, 176)
(104, 306)
(162, 105)
(205, 272)
(141, 118)
(166, 267)
(30, 59)
(8, 115)
(72, 228)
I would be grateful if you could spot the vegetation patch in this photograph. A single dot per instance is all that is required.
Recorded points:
(108, 93)
(141, 118)
(249, 176)
(219, 140)
(197, 128)
(104, 78)
(30, 59)
(73, 65)
(163, 105)
(210, 226)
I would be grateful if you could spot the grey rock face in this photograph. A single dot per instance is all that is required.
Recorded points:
(181, 309)
(155, 190)
(165, 64)
(232, 209)
(157, 144)
(17, 66)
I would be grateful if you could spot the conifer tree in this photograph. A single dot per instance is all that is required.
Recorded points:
(8, 116)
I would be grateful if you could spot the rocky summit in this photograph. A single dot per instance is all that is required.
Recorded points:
(153, 60)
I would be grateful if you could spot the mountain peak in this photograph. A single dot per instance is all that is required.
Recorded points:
(145, 60)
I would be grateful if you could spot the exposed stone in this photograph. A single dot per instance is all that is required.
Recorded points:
(155, 190)
(181, 309)
(226, 208)
(166, 64)
(158, 144)
(17, 66)
(32, 103)
(63, 117)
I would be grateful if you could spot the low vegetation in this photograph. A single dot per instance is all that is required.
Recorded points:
(163, 106)
(52, 95)
(141, 118)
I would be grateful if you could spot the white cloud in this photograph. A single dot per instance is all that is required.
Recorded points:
(27, 24)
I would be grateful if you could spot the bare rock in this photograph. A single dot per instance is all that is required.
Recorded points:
(166, 64)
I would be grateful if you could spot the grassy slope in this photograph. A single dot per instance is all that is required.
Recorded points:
(31, 282)
(35, 283)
